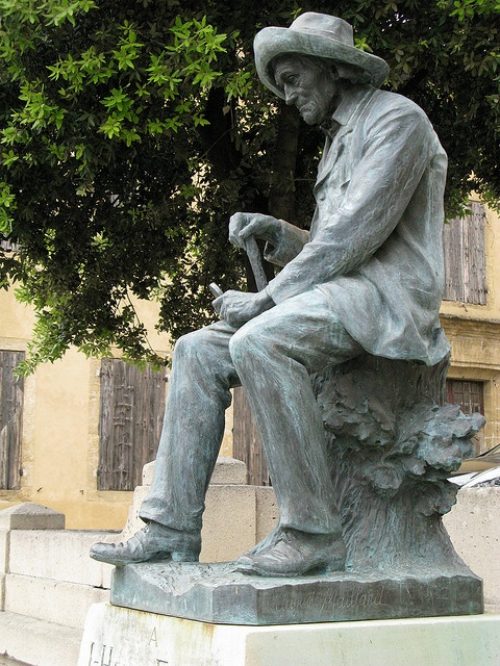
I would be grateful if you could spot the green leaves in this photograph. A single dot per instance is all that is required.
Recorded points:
(464, 10)
(90, 104)
(7, 207)
(129, 135)
(128, 48)
(59, 11)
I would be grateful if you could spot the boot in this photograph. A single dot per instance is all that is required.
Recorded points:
(153, 543)
(294, 553)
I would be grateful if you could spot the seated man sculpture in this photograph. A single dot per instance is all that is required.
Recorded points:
(366, 278)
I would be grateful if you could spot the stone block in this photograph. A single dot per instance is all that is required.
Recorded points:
(229, 524)
(474, 529)
(134, 523)
(229, 521)
(33, 641)
(4, 550)
(216, 593)
(229, 471)
(51, 600)
(147, 473)
(267, 512)
(2, 592)
(127, 637)
(62, 555)
(29, 516)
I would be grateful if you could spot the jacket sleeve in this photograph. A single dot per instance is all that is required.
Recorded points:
(290, 243)
(394, 158)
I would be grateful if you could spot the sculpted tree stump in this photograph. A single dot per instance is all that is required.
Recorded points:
(393, 442)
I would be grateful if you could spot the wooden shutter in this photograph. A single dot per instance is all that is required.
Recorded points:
(247, 445)
(465, 264)
(11, 419)
(131, 418)
(468, 394)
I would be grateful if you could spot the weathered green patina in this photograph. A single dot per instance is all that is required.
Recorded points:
(342, 354)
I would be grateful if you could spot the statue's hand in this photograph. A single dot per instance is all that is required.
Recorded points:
(243, 225)
(238, 307)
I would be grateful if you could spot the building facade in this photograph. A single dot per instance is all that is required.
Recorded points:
(75, 434)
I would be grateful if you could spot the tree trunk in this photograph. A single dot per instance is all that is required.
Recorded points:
(392, 443)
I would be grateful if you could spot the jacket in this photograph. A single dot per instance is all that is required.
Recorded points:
(375, 242)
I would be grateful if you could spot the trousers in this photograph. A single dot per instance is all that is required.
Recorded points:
(272, 356)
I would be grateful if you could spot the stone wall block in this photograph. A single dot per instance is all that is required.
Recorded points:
(4, 551)
(229, 523)
(227, 471)
(51, 600)
(474, 528)
(147, 473)
(267, 511)
(61, 555)
(29, 516)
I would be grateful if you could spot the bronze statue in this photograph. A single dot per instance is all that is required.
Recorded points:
(367, 279)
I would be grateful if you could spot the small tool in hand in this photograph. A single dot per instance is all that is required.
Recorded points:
(215, 290)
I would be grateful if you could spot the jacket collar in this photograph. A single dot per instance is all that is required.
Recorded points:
(343, 119)
(353, 99)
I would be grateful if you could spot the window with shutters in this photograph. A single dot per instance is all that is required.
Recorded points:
(11, 419)
(468, 394)
(131, 417)
(465, 263)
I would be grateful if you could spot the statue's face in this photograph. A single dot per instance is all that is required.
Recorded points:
(308, 86)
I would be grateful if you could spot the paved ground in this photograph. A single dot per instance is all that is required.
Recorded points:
(5, 661)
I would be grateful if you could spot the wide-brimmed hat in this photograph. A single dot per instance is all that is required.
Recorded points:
(319, 35)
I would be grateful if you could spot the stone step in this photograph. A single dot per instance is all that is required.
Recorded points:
(38, 642)
(61, 555)
(51, 600)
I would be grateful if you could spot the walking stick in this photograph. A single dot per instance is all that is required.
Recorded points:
(255, 258)
(253, 253)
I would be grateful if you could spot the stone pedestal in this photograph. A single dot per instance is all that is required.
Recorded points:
(128, 637)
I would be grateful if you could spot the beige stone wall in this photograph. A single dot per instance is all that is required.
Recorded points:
(60, 429)
(60, 446)
(490, 311)
(60, 433)
(474, 334)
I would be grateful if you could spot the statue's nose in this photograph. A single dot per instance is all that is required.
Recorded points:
(290, 95)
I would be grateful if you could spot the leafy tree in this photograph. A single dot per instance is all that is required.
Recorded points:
(130, 131)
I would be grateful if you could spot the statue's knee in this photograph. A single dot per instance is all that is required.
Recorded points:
(244, 345)
(188, 346)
